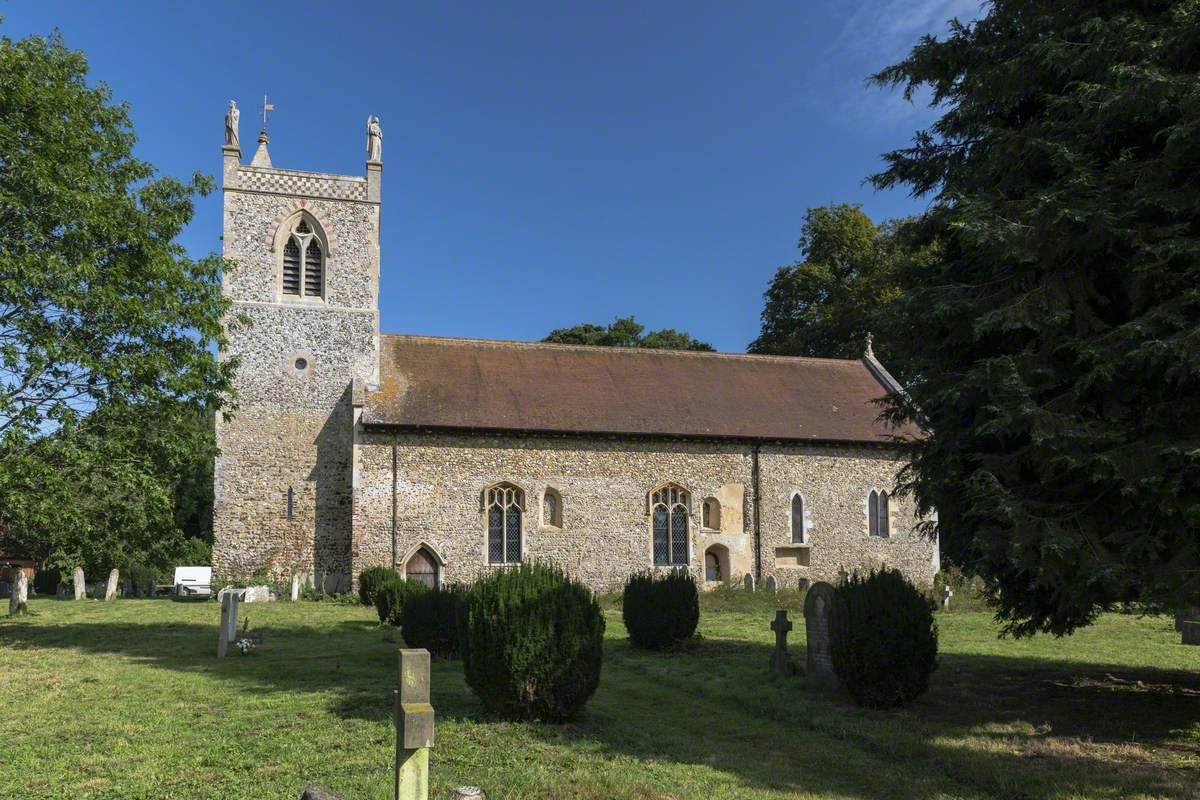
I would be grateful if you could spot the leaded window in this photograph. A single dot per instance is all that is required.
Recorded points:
(669, 524)
(303, 262)
(505, 504)
(877, 514)
(797, 519)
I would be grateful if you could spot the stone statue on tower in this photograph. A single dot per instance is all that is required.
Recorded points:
(231, 126)
(374, 140)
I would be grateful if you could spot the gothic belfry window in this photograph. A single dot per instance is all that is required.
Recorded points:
(303, 262)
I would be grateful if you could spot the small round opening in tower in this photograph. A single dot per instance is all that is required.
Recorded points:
(301, 364)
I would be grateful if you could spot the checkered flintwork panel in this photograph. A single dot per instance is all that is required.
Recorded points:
(311, 185)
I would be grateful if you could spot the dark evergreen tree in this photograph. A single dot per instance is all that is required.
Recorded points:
(626, 332)
(1056, 345)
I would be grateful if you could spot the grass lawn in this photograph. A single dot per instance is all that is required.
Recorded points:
(127, 700)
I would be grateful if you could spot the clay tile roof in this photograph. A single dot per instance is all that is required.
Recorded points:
(428, 382)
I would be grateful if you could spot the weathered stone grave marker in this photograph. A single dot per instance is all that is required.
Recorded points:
(110, 589)
(946, 595)
(295, 588)
(1191, 632)
(817, 607)
(18, 595)
(228, 626)
(80, 586)
(748, 582)
(772, 584)
(781, 664)
(414, 726)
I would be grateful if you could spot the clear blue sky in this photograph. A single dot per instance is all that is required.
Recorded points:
(545, 163)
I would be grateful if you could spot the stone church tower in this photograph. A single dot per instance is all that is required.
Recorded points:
(304, 326)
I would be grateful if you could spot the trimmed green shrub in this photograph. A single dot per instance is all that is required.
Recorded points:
(369, 581)
(142, 578)
(660, 610)
(883, 640)
(532, 641)
(430, 620)
(392, 594)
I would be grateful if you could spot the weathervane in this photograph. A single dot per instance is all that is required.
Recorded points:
(265, 108)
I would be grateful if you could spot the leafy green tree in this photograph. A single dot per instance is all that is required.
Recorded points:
(1056, 341)
(825, 305)
(626, 332)
(107, 328)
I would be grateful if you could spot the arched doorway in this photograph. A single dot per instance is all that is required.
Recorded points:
(423, 567)
(716, 564)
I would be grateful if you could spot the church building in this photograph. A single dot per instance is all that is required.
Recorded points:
(445, 458)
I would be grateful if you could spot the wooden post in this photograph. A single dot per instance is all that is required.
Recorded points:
(414, 726)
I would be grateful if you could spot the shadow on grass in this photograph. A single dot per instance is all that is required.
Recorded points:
(991, 726)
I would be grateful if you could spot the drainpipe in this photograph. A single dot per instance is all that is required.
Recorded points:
(395, 555)
(757, 528)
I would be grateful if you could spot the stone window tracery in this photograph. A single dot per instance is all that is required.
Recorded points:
(303, 262)
(878, 522)
(669, 525)
(504, 507)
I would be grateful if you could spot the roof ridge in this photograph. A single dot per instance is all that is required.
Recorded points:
(519, 344)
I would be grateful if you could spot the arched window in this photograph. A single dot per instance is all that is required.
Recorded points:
(303, 277)
(552, 507)
(711, 514)
(669, 522)
(797, 519)
(878, 523)
(505, 504)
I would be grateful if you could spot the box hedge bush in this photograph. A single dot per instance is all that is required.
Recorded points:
(392, 594)
(883, 640)
(532, 641)
(430, 619)
(370, 579)
(660, 610)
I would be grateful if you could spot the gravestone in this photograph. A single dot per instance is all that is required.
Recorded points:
(110, 589)
(295, 588)
(748, 582)
(781, 664)
(256, 594)
(1186, 615)
(1191, 632)
(946, 595)
(227, 632)
(414, 726)
(80, 586)
(18, 595)
(772, 584)
(817, 607)
(468, 793)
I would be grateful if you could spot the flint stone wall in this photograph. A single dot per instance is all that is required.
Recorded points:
(604, 483)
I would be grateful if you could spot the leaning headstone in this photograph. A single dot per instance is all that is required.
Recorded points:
(772, 584)
(748, 582)
(18, 596)
(314, 792)
(228, 631)
(110, 590)
(1186, 615)
(295, 588)
(80, 586)
(414, 726)
(1191, 632)
(781, 664)
(817, 607)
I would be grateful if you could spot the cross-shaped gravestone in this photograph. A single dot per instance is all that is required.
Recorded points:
(414, 726)
(780, 663)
